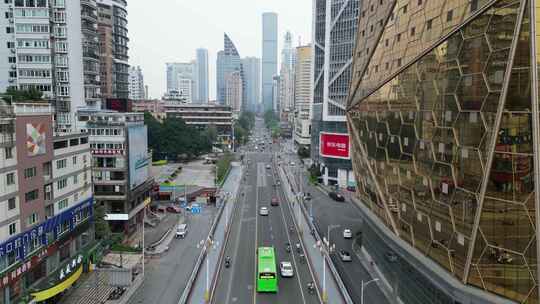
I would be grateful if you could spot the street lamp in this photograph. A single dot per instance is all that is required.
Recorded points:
(362, 289)
(207, 246)
(328, 250)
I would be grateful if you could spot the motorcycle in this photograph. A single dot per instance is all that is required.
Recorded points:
(227, 262)
(298, 248)
(288, 247)
(311, 287)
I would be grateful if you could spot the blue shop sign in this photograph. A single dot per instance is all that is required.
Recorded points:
(20, 243)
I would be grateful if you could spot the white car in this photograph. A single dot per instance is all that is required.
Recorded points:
(263, 211)
(286, 269)
(347, 233)
(268, 166)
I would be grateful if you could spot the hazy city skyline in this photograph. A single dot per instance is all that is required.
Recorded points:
(186, 26)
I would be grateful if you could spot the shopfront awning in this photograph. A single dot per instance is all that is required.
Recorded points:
(55, 290)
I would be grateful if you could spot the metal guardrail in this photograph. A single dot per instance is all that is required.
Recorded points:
(343, 290)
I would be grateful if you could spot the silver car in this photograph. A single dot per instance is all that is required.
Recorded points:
(286, 269)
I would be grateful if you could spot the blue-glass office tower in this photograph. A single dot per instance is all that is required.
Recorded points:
(228, 61)
(202, 75)
(269, 57)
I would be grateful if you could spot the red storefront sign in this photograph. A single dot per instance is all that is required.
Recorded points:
(334, 145)
(12, 276)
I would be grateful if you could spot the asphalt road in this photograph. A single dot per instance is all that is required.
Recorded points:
(327, 212)
(166, 277)
(250, 230)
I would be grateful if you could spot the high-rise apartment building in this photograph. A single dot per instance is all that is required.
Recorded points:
(233, 92)
(202, 75)
(252, 73)
(288, 62)
(269, 57)
(303, 96)
(46, 204)
(113, 39)
(136, 83)
(444, 118)
(181, 78)
(334, 39)
(91, 54)
(228, 61)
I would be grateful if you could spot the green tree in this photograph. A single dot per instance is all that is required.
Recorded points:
(32, 94)
(211, 133)
(240, 134)
(247, 120)
(103, 231)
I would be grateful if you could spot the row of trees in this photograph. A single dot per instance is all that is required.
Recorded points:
(243, 126)
(173, 139)
(271, 120)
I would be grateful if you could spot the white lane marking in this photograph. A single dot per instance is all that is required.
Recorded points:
(259, 166)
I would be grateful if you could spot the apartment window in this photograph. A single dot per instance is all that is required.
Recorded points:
(12, 59)
(398, 37)
(60, 16)
(8, 152)
(449, 15)
(399, 62)
(419, 2)
(75, 179)
(30, 172)
(429, 24)
(9, 29)
(10, 45)
(61, 46)
(10, 179)
(60, 31)
(62, 90)
(387, 65)
(32, 219)
(386, 42)
(61, 164)
(413, 31)
(405, 9)
(12, 203)
(12, 228)
(74, 160)
(32, 195)
(63, 204)
(474, 5)
(61, 184)
(13, 74)
(47, 189)
(62, 76)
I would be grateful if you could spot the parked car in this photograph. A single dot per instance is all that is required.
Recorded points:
(345, 256)
(347, 233)
(174, 209)
(274, 202)
(286, 269)
(263, 211)
(336, 196)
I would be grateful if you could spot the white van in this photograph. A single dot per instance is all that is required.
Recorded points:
(181, 231)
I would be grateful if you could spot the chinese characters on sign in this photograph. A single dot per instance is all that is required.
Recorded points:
(334, 145)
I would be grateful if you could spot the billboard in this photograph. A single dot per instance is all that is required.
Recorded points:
(36, 134)
(139, 162)
(334, 145)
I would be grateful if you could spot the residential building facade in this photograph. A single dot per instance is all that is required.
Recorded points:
(252, 73)
(303, 96)
(444, 118)
(120, 166)
(269, 57)
(334, 38)
(136, 83)
(233, 92)
(46, 202)
(91, 54)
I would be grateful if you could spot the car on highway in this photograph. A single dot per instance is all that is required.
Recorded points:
(274, 202)
(345, 256)
(336, 196)
(263, 211)
(174, 209)
(347, 233)
(286, 269)
(292, 164)
(268, 166)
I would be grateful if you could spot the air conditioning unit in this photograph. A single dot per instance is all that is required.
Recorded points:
(13, 51)
(13, 66)
(11, 20)
(11, 80)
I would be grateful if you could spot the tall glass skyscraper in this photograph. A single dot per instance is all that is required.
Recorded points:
(252, 73)
(269, 57)
(202, 75)
(228, 61)
(445, 129)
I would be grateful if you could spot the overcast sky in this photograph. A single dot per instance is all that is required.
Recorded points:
(170, 30)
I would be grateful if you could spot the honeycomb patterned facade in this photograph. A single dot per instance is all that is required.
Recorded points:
(443, 142)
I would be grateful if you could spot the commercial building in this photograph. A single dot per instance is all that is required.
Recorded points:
(276, 93)
(334, 39)
(46, 204)
(233, 92)
(287, 70)
(136, 83)
(269, 57)
(113, 40)
(120, 166)
(202, 75)
(228, 61)
(182, 78)
(303, 96)
(252, 73)
(444, 119)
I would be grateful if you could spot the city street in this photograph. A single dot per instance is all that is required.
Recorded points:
(250, 230)
(338, 216)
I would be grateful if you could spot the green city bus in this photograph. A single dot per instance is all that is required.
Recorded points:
(266, 270)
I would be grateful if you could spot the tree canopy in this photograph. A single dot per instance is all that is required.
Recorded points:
(12, 93)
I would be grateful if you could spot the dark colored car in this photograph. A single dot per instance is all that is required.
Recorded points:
(345, 256)
(274, 202)
(351, 188)
(336, 196)
(174, 209)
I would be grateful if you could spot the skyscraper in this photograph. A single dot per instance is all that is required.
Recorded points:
(252, 73)
(334, 38)
(269, 57)
(303, 95)
(445, 129)
(136, 83)
(288, 61)
(233, 91)
(181, 78)
(202, 75)
(228, 61)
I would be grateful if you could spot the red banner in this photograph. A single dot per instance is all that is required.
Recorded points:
(334, 145)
